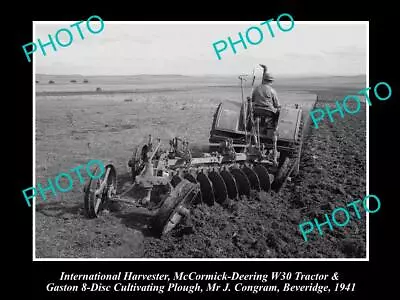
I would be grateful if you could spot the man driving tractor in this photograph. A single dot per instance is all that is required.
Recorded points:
(266, 104)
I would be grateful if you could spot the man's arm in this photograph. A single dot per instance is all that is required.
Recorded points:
(275, 99)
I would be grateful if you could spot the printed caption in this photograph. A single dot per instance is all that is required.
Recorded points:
(193, 282)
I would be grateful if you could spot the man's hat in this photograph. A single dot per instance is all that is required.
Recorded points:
(268, 77)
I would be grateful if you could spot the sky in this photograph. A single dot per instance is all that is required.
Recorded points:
(186, 49)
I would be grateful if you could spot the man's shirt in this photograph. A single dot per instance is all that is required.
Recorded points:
(265, 95)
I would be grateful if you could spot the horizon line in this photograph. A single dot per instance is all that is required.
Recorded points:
(202, 75)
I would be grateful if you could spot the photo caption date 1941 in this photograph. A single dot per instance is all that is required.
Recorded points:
(349, 287)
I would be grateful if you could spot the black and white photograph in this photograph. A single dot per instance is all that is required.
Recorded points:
(229, 140)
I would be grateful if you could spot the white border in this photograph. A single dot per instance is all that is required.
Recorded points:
(367, 138)
(33, 203)
(195, 259)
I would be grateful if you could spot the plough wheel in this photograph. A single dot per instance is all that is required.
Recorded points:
(175, 207)
(137, 162)
(98, 191)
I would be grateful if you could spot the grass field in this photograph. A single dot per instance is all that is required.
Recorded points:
(75, 124)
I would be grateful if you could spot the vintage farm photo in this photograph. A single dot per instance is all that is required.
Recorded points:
(203, 158)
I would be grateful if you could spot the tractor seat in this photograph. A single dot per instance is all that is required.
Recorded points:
(262, 111)
(268, 116)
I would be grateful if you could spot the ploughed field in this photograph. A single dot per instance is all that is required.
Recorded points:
(72, 129)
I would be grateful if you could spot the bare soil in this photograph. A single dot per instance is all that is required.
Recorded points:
(72, 129)
(332, 174)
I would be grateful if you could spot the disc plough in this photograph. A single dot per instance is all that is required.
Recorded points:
(168, 182)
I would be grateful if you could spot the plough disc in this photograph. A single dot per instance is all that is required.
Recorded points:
(206, 188)
(253, 178)
(230, 183)
(219, 187)
(263, 175)
(219, 184)
(243, 182)
(176, 179)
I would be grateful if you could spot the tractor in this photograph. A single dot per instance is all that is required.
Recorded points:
(250, 127)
